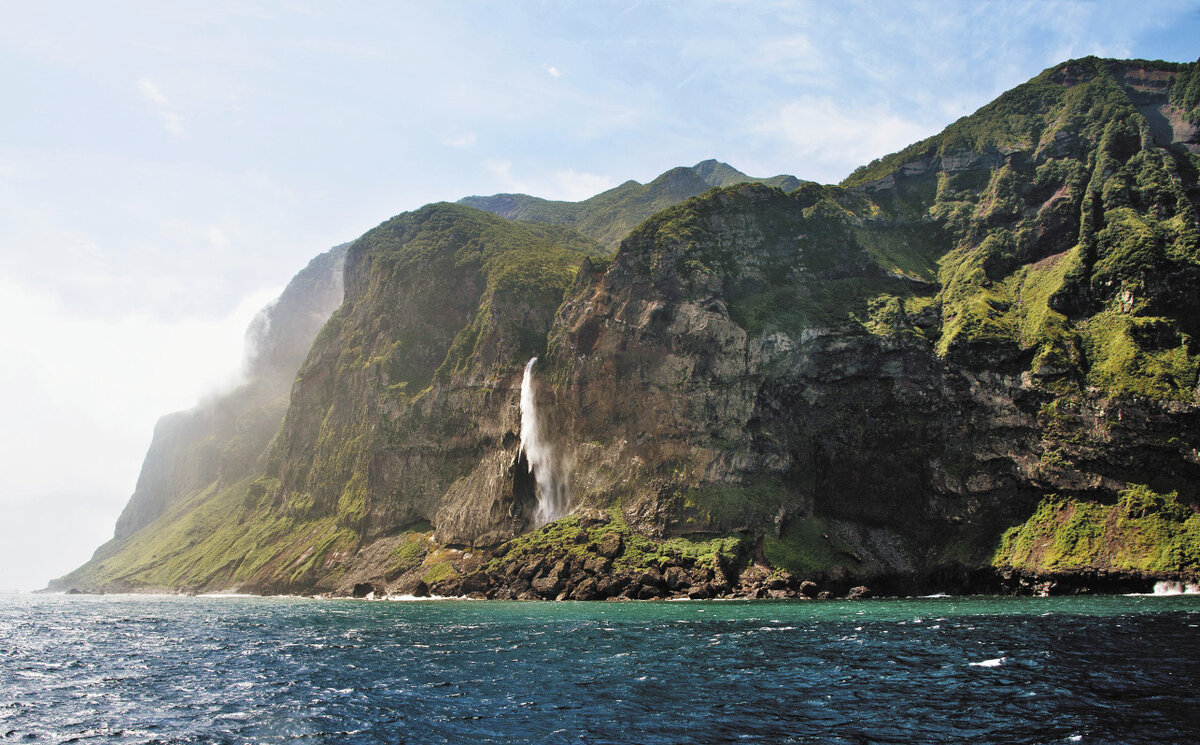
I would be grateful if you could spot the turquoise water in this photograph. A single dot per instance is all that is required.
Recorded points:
(236, 670)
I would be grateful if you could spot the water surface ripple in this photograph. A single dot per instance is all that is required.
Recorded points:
(275, 670)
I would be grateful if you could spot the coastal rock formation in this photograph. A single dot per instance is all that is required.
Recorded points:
(970, 366)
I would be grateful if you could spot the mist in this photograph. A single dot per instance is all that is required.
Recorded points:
(82, 395)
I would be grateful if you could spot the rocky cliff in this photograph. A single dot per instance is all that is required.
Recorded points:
(972, 365)
(223, 438)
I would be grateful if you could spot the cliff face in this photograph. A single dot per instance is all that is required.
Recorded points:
(909, 364)
(972, 362)
(223, 439)
(405, 410)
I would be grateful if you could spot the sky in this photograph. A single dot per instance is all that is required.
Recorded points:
(165, 168)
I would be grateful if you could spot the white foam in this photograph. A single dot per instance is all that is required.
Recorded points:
(996, 662)
(1168, 588)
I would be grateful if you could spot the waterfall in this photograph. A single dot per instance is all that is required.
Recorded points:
(548, 474)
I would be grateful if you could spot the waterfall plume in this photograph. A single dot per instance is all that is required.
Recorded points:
(548, 473)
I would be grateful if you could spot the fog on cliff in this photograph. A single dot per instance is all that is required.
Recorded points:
(165, 170)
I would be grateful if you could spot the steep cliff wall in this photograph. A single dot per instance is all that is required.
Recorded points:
(910, 364)
(224, 437)
(972, 363)
(406, 408)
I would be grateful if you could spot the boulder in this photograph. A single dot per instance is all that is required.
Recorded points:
(597, 565)
(611, 545)
(677, 579)
(547, 586)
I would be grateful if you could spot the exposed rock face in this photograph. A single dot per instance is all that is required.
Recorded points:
(407, 408)
(224, 438)
(766, 393)
(799, 359)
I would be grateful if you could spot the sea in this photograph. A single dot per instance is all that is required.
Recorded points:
(165, 669)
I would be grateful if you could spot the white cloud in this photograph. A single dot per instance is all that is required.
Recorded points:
(554, 71)
(827, 141)
(573, 185)
(567, 184)
(162, 106)
(466, 139)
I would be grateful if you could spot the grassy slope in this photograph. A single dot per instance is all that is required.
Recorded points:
(1143, 532)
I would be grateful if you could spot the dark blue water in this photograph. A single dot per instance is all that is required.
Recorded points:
(238, 670)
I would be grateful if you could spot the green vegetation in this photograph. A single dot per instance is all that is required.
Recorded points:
(609, 216)
(408, 554)
(569, 537)
(734, 507)
(1185, 92)
(808, 547)
(1126, 357)
(221, 539)
(1144, 531)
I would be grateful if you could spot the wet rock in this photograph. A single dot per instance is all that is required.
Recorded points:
(858, 593)
(611, 585)
(808, 588)
(591, 518)
(475, 583)
(649, 592)
(702, 592)
(530, 570)
(722, 568)
(824, 595)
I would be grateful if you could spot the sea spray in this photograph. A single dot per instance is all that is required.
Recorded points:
(548, 473)
(1175, 588)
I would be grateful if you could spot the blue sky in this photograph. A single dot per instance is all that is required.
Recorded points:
(166, 167)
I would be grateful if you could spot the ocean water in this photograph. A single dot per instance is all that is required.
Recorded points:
(923, 670)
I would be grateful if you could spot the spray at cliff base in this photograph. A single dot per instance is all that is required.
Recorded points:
(550, 476)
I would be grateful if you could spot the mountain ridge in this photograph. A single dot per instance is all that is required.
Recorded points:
(608, 216)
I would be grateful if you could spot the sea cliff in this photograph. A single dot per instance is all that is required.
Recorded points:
(971, 366)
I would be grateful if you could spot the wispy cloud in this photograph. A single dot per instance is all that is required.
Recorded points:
(466, 139)
(828, 141)
(554, 71)
(171, 118)
(566, 184)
